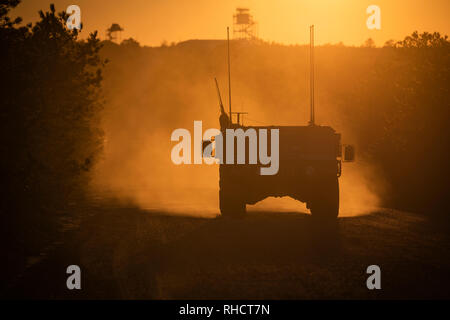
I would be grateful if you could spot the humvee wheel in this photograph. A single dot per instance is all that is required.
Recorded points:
(230, 206)
(325, 203)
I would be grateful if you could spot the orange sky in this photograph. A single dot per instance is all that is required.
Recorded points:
(285, 21)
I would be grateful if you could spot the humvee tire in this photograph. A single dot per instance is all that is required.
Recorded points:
(325, 202)
(230, 206)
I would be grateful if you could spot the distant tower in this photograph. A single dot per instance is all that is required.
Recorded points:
(244, 27)
(114, 31)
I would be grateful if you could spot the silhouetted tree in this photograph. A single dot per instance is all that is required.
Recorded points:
(369, 43)
(390, 44)
(413, 146)
(130, 42)
(424, 40)
(50, 133)
(5, 7)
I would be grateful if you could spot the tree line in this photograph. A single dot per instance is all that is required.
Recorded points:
(50, 111)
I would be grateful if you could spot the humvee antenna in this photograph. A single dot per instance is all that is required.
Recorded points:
(229, 72)
(311, 72)
(220, 97)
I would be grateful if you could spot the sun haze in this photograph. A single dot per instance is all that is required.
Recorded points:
(283, 21)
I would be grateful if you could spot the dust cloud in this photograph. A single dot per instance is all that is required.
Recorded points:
(150, 92)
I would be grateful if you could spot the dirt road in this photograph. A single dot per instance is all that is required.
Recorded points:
(130, 253)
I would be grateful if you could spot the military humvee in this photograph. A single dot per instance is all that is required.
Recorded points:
(309, 167)
(310, 159)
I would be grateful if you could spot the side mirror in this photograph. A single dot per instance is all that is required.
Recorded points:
(349, 153)
(209, 148)
(205, 144)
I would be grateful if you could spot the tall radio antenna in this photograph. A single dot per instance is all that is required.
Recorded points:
(311, 72)
(229, 72)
